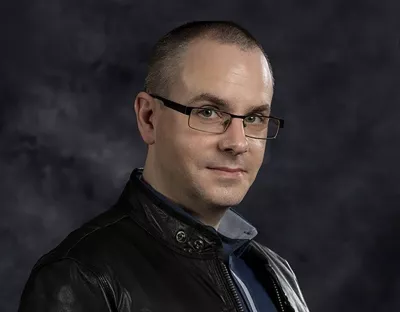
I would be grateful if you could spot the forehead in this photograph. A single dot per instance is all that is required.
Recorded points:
(226, 71)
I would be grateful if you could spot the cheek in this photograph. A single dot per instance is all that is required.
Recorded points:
(193, 148)
(177, 143)
(167, 142)
(258, 153)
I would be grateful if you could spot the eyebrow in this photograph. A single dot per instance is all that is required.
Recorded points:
(224, 105)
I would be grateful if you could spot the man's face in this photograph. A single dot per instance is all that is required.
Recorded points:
(183, 155)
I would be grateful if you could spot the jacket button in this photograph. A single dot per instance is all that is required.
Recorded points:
(199, 244)
(180, 236)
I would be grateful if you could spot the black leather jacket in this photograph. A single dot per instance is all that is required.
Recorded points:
(142, 256)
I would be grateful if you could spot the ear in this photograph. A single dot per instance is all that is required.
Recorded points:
(145, 109)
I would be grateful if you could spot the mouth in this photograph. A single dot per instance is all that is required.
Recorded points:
(227, 169)
(228, 172)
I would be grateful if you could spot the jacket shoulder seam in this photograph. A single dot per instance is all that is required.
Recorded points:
(91, 232)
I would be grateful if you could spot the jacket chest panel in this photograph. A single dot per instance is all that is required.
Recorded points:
(171, 283)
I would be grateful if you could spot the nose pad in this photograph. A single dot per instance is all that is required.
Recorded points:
(230, 123)
(226, 124)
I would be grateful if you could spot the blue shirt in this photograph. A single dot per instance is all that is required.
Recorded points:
(235, 233)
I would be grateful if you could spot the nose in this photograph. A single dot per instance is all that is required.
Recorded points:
(234, 139)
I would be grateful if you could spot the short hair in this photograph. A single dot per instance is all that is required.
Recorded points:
(164, 63)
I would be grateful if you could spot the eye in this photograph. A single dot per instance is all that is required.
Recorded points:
(255, 119)
(207, 112)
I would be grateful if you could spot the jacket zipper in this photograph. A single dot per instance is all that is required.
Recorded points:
(236, 295)
(231, 286)
(278, 295)
(274, 280)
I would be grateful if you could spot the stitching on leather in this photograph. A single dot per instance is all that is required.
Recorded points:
(94, 230)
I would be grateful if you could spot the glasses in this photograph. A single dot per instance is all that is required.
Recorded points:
(211, 120)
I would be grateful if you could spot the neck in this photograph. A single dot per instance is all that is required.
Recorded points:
(203, 212)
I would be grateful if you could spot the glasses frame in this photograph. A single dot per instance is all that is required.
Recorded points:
(187, 110)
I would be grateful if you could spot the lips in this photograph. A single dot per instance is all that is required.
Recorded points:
(226, 169)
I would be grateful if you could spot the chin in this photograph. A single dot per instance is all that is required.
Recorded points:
(226, 203)
(221, 191)
(225, 197)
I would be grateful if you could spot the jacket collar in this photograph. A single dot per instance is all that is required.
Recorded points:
(165, 219)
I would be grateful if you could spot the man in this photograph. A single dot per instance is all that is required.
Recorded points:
(173, 242)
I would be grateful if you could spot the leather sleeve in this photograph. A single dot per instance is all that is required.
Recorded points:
(63, 285)
(295, 285)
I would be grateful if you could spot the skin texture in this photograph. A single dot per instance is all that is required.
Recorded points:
(178, 156)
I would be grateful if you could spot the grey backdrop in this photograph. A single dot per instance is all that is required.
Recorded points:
(327, 196)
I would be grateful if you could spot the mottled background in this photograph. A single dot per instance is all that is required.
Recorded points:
(328, 195)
